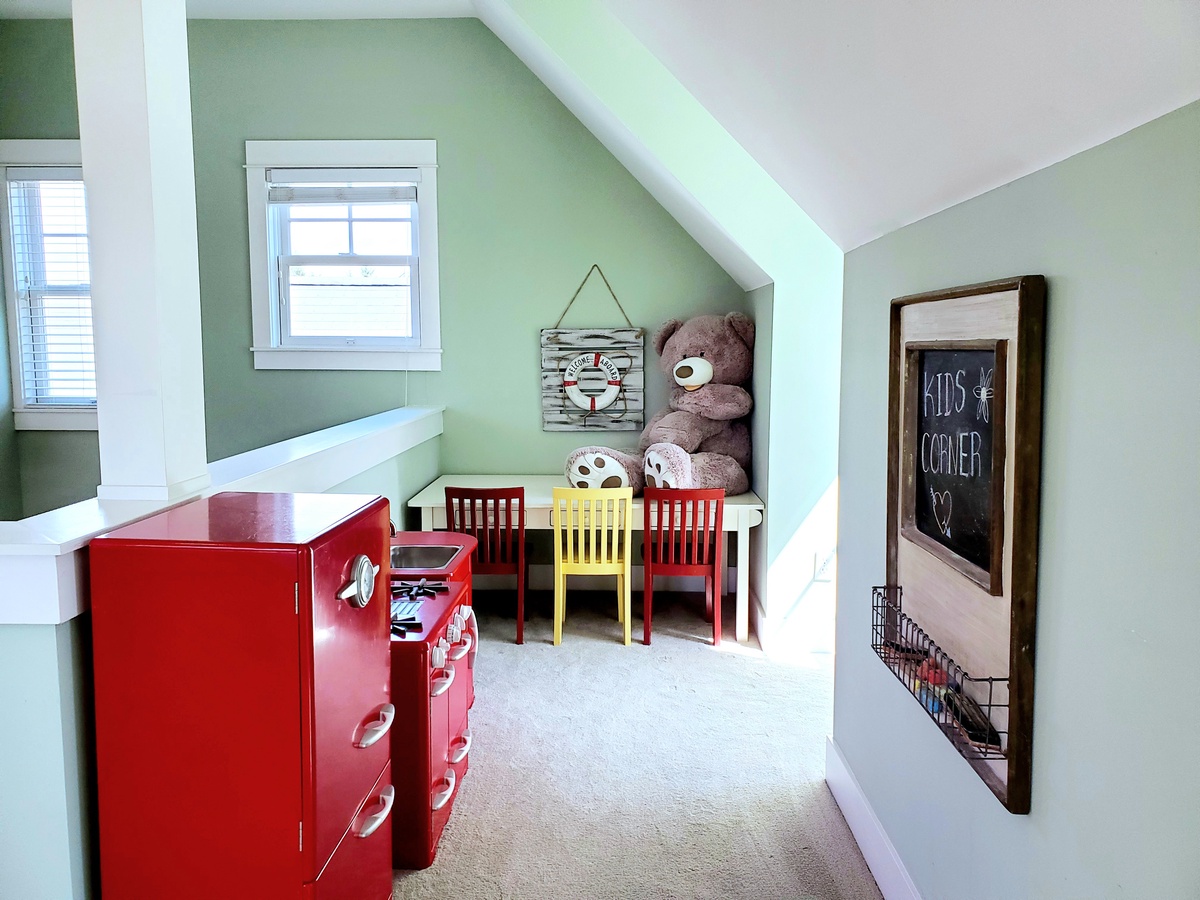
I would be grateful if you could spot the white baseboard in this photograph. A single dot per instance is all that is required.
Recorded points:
(882, 858)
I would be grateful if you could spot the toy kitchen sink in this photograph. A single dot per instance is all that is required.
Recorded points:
(423, 557)
(430, 554)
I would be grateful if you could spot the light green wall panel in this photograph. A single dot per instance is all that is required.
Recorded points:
(1116, 232)
(528, 201)
(398, 479)
(46, 849)
(761, 303)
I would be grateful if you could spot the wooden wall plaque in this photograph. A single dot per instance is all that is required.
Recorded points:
(604, 367)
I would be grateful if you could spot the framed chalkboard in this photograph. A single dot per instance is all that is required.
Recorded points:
(953, 493)
(963, 486)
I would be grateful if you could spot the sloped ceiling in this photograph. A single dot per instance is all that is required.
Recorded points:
(872, 114)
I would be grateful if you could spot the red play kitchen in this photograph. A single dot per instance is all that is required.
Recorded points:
(282, 697)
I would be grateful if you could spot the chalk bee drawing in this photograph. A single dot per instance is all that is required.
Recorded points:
(942, 504)
(984, 393)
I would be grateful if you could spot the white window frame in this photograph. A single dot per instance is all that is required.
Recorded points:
(21, 154)
(402, 154)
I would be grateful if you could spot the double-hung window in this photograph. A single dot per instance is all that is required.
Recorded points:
(344, 254)
(47, 285)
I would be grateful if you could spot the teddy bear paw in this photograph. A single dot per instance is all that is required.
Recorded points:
(668, 466)
(599, 467)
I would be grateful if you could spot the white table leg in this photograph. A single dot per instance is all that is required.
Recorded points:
(743, 577)
(725, 579)
(427, 518)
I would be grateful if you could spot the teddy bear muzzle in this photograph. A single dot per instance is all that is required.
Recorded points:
(693, 373)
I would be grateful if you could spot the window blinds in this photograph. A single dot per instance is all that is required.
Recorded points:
(52, 281)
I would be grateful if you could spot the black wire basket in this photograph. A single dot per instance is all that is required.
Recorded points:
(972, 712)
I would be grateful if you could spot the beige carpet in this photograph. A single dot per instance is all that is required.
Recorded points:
(605, 771)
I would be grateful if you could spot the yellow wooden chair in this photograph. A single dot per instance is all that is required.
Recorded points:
(592, 536)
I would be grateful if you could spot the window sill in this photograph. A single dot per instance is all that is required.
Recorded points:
(60, 419)
(364, 359)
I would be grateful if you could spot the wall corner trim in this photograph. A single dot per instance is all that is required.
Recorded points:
(882, 859)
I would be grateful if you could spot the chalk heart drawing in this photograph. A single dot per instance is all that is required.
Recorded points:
(942, 503)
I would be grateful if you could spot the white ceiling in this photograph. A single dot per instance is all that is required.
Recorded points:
(872, 114)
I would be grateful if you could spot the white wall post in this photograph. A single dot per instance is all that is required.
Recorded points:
(135, 127)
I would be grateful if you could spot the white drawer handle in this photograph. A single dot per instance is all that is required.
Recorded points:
(386, 798)
(377, 729)
(462, 649)
(442, 683)
(460, 752)
(442, 797)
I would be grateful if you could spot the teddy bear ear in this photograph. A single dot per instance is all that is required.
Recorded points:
(664, 333)
(743, 325)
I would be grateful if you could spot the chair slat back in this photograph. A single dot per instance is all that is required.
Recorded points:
(682, 527)
(495, 517)
(592, 526)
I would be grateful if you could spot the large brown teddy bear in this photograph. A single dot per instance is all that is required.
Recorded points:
(703, 439)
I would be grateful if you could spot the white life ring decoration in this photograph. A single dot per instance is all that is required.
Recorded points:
(592, 402)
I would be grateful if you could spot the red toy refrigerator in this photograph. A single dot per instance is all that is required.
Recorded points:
(241, 647)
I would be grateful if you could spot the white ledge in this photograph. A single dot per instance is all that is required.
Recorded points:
(318, 461)
(45, 577)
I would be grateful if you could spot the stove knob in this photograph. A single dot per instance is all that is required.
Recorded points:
(437, 656)
(460, 623)
(466, 611)
(454, 632)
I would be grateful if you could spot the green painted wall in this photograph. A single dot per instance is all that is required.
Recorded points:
(37, 80)
(40, 470)
(57, 468)
(37, 100)
(398, 479)
(528, 200)
(10, 468)
(1116, 231)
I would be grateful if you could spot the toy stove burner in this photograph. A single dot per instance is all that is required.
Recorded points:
(418, 590)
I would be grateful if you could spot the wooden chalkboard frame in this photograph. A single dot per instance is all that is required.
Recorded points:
(991, 578)
(965, 619)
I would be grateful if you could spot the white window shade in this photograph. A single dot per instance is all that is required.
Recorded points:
(50, 284)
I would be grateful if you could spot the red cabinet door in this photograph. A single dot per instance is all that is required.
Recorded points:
(349, 700)
(361, 866)
(198, 698)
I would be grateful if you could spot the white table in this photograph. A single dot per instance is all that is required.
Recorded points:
(742, 512)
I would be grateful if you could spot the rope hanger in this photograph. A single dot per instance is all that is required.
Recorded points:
(595, 268)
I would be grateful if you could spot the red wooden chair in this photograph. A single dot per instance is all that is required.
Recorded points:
(682, 536)
(495, 517)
